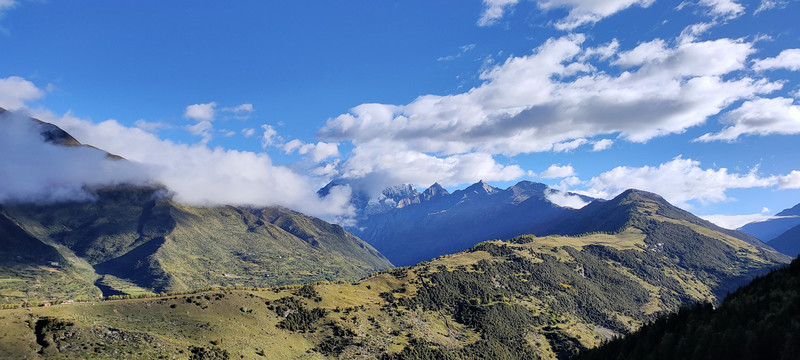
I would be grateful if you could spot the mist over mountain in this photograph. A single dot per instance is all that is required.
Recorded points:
(42, 163)
(770, 229)
(76, 221)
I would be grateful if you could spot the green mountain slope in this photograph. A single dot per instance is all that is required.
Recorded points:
(758, 321)
(527, 298)
(137, 240)
(788, 242)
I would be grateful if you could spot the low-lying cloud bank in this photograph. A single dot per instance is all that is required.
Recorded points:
(34, 170)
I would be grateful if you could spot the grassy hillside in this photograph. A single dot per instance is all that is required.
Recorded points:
(531, 297)
(759, 321)
(136, 240)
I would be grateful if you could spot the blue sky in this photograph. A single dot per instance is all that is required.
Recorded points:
(263, 102)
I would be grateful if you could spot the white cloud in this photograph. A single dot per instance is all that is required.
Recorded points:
(241, 111)
(463, 50)
(204, 176)
(583, 12)
(770, 4)
(787, 59)
(380, 164)
(150, 126)
(201, 112)
(5, 5)
(790, 181)
(678, 181)
(494, 10)
(580, 12)
(692, 32)
(736, 221)
(34, 170)
(602, 144)
(203, 129)
(759, 117)
(727, 9)
(557, 171)
(315, 152)
(565, 199)
(554, 99)
(270, 137)
(16, 91)
(724, 9)
(248, 132)
(549, 101)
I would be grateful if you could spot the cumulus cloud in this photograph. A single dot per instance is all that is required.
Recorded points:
(557, 171)
(248, 132)
(759, 117)
(16, 91)
(201, 112)
(550, 100)
(37, 171)
(679, 181)
(788, 59)
(554, 99)
(790, 181)
(201, 175)
(316, 152)
(602, 144)
(494, 10)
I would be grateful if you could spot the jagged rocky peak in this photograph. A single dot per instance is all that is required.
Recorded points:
(530, 186)
(481, 188)
(433, 191)
(399, 192)
(401, 195)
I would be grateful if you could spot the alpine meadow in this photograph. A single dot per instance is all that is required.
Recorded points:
(397, 180)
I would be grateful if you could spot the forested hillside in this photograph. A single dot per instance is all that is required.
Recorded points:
(758, 321)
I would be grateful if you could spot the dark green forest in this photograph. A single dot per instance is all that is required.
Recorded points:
(758, 321)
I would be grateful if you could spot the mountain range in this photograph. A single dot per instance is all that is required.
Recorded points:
(132, 239)
(529, 297)
(782, 232)
(219, 282)
(408, 226)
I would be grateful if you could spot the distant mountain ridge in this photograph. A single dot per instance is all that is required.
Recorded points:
(788, 242)
(408, 226)
(772, 228)
(782, 232)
